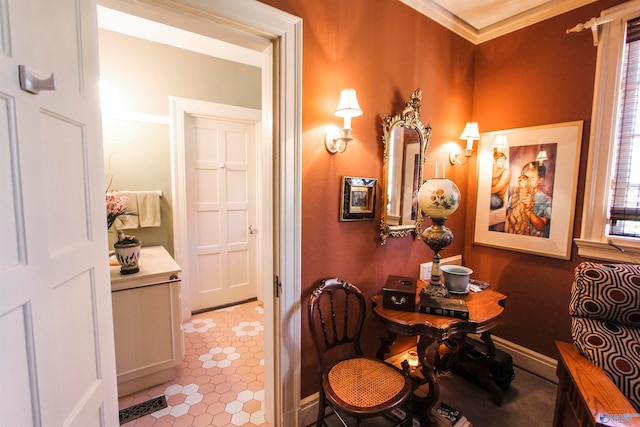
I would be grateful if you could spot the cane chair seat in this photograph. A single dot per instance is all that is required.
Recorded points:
(364, 383)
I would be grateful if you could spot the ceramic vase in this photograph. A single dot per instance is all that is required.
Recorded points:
(128, 255)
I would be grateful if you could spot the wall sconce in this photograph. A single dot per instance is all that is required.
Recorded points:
(470, 133)
(336, 139)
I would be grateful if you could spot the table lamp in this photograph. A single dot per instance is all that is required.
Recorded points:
(438, 198)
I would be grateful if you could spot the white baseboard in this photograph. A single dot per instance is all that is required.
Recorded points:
(529, 360)
(308, 410)
(524, 358)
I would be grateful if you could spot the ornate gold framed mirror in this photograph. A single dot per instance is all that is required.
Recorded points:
(405, 141)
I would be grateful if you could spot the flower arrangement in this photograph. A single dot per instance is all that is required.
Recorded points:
(115, 208)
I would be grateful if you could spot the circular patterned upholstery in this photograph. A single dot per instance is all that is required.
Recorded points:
(605, 324)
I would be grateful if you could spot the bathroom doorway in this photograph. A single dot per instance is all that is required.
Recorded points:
(281, 64)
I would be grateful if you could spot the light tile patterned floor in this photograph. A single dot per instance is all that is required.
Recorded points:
(221, 380)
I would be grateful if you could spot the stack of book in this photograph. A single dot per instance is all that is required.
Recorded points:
(442, 306)
(447, 416)
(444, 415)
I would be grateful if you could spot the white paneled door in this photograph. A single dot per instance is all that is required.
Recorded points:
(57, 363)
(220, 166)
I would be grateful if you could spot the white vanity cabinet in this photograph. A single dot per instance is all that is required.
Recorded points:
(146, 317)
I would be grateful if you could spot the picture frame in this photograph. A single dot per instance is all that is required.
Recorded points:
(535, 212)
(358, 201)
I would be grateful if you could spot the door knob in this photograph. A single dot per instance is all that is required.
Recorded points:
(32, 84)
(252, 229)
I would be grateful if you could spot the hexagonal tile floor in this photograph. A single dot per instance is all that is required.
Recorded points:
(220, 382)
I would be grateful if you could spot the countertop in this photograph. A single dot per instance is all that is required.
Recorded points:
(156, 266)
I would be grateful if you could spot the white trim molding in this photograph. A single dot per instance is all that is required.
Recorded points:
(529, 360)
(432, 10)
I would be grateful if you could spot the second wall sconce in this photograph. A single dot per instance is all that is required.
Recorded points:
(336, 139)
(470, 133)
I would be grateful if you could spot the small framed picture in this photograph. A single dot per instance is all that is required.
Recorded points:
(358, 198)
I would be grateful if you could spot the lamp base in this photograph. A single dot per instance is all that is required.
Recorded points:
(437, 237)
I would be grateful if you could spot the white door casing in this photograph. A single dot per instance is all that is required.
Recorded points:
(282, 142)
(220, 178)
(57, 363)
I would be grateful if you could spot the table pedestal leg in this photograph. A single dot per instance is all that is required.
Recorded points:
(385, 345)
(423, 405)
(485, 374)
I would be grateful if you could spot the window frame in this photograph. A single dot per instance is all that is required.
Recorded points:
(594, 242)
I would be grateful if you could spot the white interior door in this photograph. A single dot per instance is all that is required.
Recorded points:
(221, 210)
(57, 363)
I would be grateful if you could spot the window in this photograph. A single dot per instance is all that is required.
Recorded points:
(611, 216)
(624, 211)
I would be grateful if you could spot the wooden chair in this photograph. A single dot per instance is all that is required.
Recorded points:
(351, 384)
(586, 395)
(598, 373)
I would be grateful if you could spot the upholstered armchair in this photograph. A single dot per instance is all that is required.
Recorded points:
(599, 373)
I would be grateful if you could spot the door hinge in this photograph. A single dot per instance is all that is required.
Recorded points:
(277, 286)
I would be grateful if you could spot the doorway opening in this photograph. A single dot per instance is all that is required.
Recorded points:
(249, 21)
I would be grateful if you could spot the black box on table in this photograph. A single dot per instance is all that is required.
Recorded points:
(399, 293)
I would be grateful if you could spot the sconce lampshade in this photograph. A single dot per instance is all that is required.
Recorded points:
(348, 105)
(470, 131)
(438, 197)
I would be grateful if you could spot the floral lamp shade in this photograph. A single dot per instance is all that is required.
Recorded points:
(438, 197)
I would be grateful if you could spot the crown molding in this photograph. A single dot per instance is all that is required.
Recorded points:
(445, 18)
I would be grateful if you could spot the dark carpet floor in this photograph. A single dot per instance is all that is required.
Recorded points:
(529, 402)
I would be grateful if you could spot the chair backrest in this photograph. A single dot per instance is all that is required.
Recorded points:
(336, 314)
(605, 323)
(607, 292)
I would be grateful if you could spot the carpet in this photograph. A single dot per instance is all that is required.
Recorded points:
(141, 409)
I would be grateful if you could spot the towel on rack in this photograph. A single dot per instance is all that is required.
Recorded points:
(149, 208)
(129, 221)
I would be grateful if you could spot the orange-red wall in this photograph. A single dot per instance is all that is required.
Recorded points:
(538, 75)
(535, 76)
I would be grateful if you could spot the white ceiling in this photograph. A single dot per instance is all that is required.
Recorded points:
(482, 20)
(482, 13)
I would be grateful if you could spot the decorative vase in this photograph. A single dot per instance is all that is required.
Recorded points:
(127, 250)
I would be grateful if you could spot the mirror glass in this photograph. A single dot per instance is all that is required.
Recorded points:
(405, 141)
